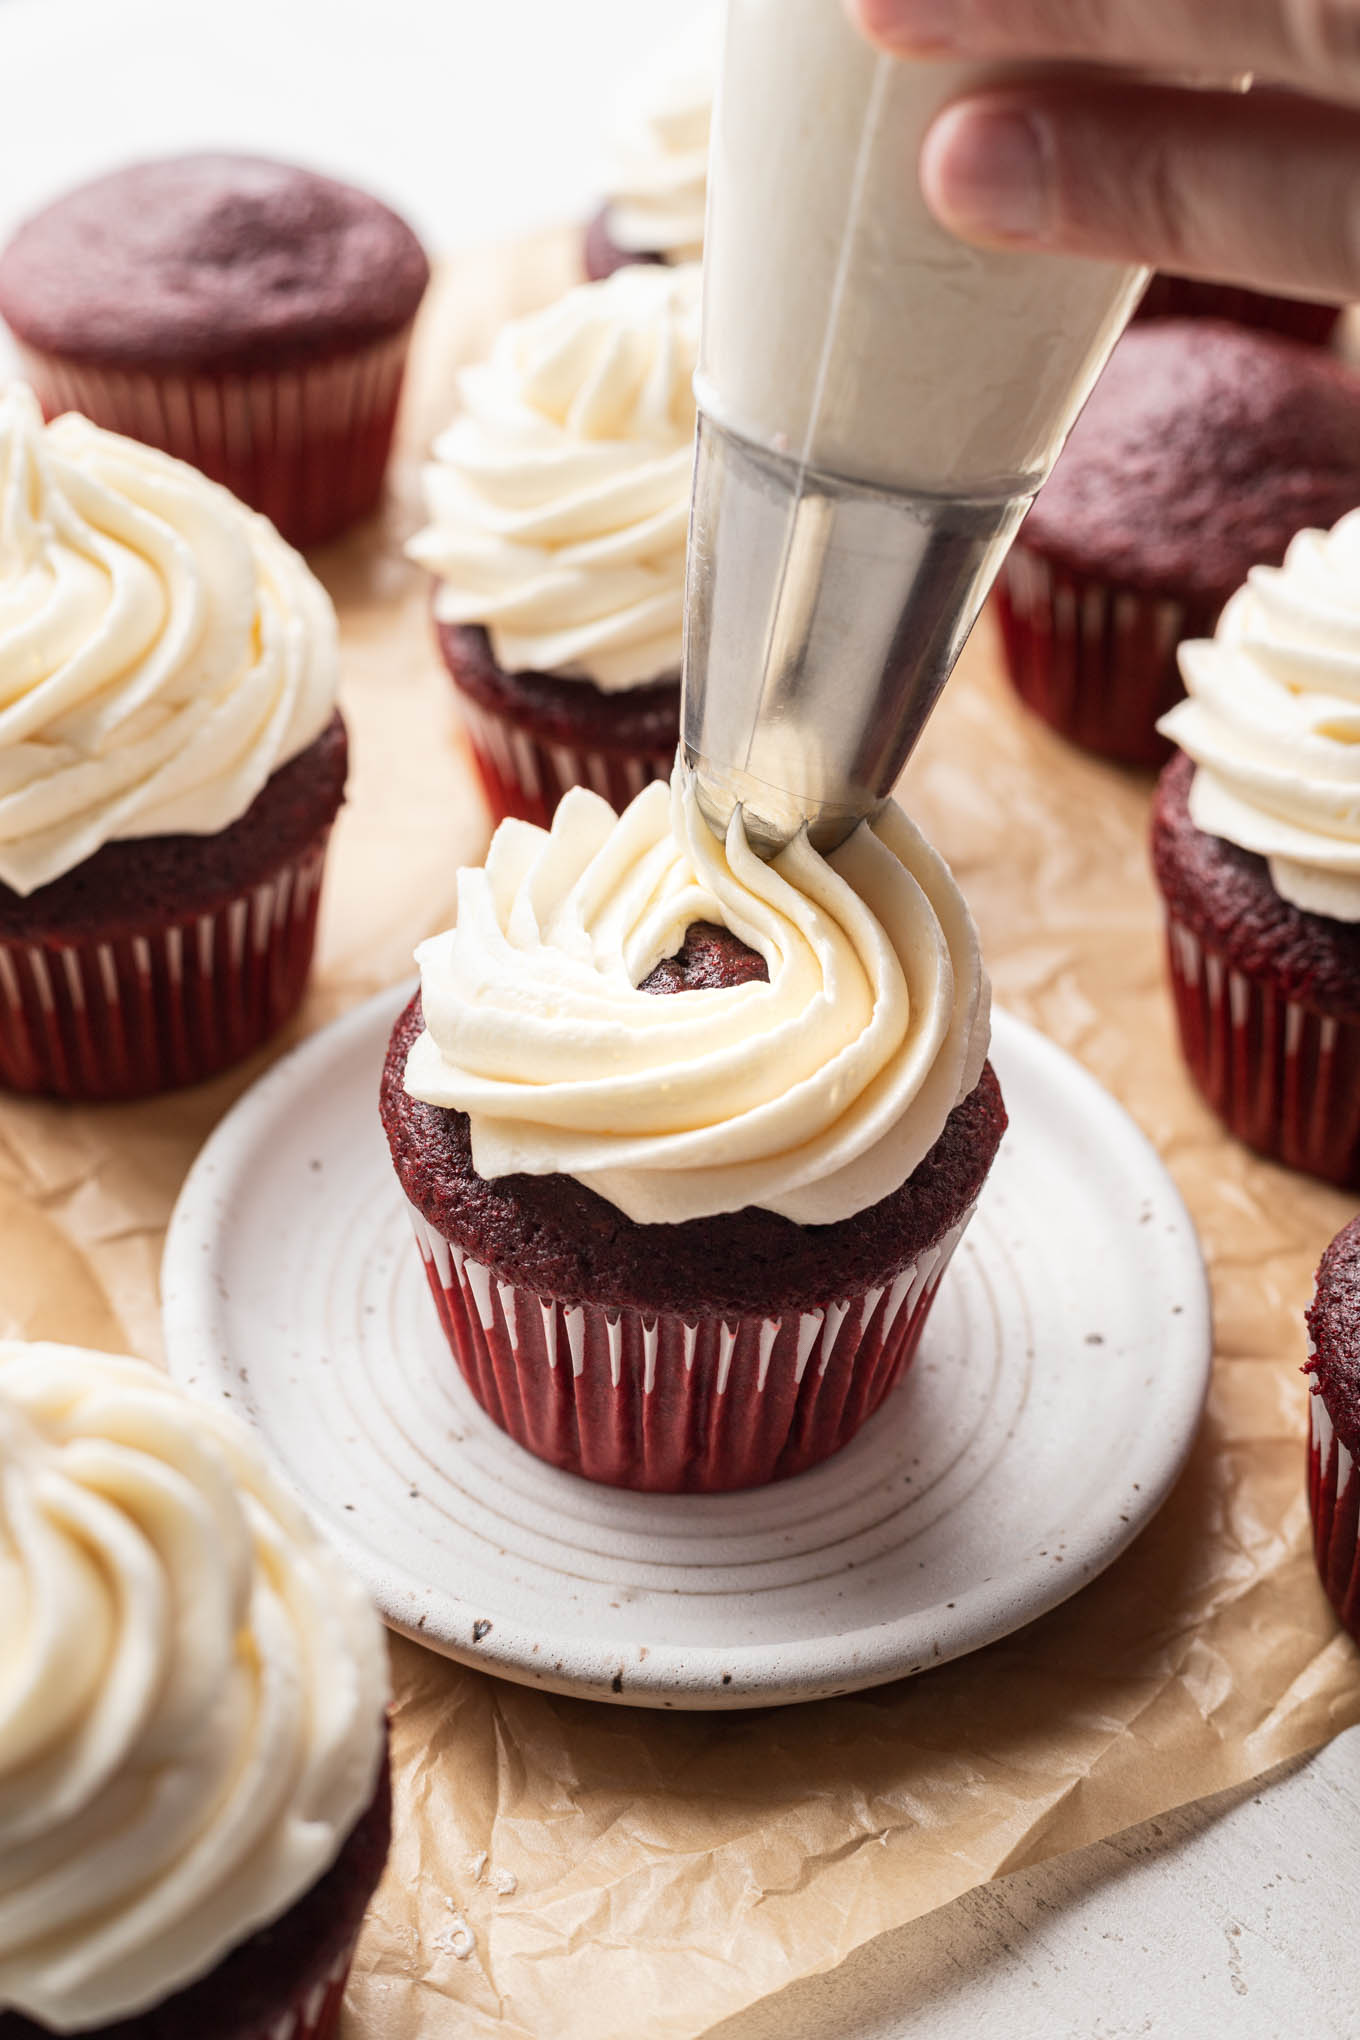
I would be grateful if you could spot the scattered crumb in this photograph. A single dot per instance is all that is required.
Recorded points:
(476, 1866)
(505, 1882)
(458, 1937)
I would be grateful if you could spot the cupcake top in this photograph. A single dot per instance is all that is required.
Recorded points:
(658, 183)
(1273, 721)
(1334, 1335)
(559, 499)
(162, 651)
(1202, 450)
(211, 262)
(192, 1689)
(813, 1095)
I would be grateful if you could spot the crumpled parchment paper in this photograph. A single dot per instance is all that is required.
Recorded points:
(564, 1871)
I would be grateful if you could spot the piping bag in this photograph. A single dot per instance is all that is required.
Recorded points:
(878, 404)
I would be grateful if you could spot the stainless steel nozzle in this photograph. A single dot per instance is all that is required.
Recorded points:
(822, 619)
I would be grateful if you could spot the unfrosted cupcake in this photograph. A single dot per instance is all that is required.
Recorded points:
(245, 315)
(1256, 846)
(558, 504)
(1203, 449)
(658, 185)
(1334, 1424)
(171, 761)
(193, 1764)
(688, 1138)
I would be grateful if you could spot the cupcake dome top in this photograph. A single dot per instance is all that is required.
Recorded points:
(1334, 1332)
(225, 262)
(192, 1689)
(1201, 452)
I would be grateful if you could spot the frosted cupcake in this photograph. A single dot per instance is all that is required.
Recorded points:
(558, 505)
(1256, 845)
(171, 761)
(193, 1762)
(658, 181)
(689, 1139)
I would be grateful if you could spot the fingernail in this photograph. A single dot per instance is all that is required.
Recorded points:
(916, 25)
(987, 173)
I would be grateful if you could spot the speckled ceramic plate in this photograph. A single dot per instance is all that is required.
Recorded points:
(1051, 1406)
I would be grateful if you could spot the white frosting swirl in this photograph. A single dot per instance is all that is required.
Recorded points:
(559, 499)
(162, 651)
(813, 1095)
(658, 181)
(1273, 721)
(191, 1689)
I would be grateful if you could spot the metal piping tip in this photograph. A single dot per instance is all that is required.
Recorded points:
(822, 619)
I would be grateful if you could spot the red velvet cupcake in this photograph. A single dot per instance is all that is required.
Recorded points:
(1203, 449)
(171, 762)
(558, 504)
(1186, 297)
(197, 1807)
(1256, 849)
(1334, 1424)
(248, 316)
(684, 1199)
(658, 180)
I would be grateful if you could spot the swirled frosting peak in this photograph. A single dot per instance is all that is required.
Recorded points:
(558, 499)
(191, 1690)
(1273, 721)
(162, 651)
(658, 184)
(813, 1095)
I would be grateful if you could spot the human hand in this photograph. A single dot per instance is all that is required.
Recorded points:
(1260, 188)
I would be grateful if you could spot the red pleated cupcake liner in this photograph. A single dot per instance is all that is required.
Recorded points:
(316, 2015)
(670, 1404)
(308, 446)
(526, 777)
(1282, 1077)
(1334, 1504)
(1097, 663)
(165, 1006)
(1183, 297)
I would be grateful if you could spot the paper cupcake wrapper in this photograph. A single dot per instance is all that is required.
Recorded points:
(1282, 1077)
(162, 1007)
(1183, 297)
(306, 445)
(1097, 663)
(1334, 1504)
(668, 1404)
(523, 776)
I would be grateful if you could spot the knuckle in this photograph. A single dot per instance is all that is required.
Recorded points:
(1323, 36)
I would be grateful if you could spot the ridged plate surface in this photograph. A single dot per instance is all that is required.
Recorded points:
(1051, 1407)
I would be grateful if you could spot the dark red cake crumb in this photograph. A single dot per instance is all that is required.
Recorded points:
(562, 711)
(126, 885)
(255, 1984)
(603, 254)
(211, 262)
(1203, 450)
(709, 959)
(551, 1235)
(1334, 1327)
(1225, 896)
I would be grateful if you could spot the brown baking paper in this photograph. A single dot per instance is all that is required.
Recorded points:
(568, 1871)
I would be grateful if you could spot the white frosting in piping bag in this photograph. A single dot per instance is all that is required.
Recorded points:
(558, 500)
(659, 179)
(814, 1095)
(192, 1689)
(162, 651)
(1273, 721)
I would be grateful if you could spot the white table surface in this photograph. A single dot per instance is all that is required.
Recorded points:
(1232, 1917)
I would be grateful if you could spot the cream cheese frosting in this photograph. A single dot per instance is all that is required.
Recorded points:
(1273, 721)
(558, 500)
(658, 182)
(162, 650)
(192, 1689)
(813, 1096)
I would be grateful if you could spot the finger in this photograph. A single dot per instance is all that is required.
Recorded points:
(1311, 45)
(1262, 190)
